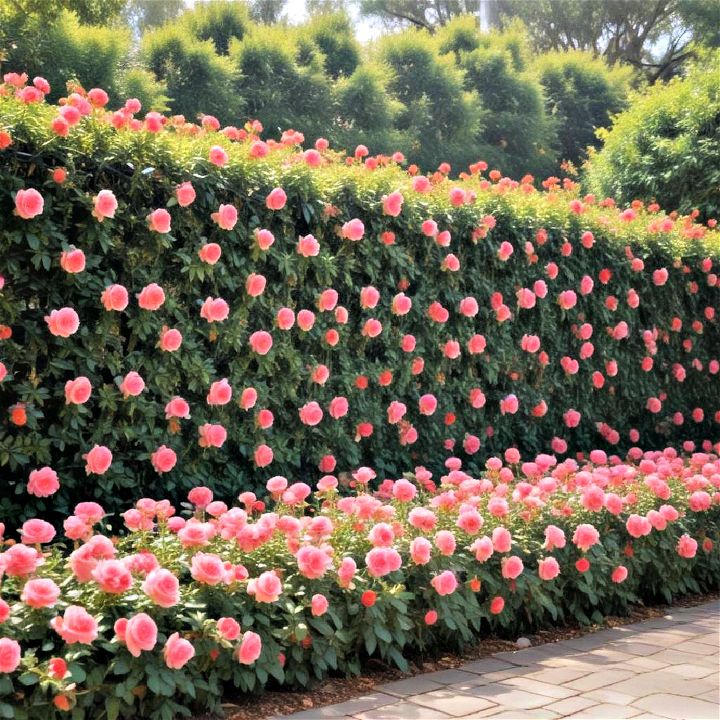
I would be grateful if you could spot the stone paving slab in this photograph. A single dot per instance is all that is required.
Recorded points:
(665, 668)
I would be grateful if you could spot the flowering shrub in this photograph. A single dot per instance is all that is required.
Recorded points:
(191, 602)
(184, 304)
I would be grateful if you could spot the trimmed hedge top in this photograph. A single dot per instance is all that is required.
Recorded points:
(317, 312)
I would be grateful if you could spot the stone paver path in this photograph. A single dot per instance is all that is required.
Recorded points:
(663, 668)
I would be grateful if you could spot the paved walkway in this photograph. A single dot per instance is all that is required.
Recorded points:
(663, 668)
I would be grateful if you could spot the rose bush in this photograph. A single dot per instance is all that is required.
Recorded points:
(204, 599)
(183, 304)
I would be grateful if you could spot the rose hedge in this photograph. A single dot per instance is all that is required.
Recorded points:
(211, 599)
(471, 315)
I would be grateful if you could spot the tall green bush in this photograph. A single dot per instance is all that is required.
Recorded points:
(665, 146)
(581, 95)
(438, 112)
(524, 329)
(196, 77)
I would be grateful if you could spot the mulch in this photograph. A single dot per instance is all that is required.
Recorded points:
(336, 690)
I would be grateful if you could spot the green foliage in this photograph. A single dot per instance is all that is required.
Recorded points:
(221, 21)
(136, 82)
(143, 169)
(61, 49)
(438, 112)
(333, 34)
(378, 615)
(367, 112)
(581, 94)
(280, 79)
(665, 146)
(516, 134)
(196, 77)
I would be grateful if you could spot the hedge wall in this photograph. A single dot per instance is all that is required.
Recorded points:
(621, 301)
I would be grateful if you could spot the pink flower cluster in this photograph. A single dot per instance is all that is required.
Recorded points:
(538, 517)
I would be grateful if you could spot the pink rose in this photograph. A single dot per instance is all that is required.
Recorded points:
(72, 260)
(104, 205)
(177, 408)
(170, 339)
(353, 229)
(687, 546)
(509, 405)
(261, 342)
(40, 593)
(28, 204)
(212, 435)
(311, 413)
(255, 285)
(306, 320)
(159, 221)
(21, 560)
(567, 299)
(264, 238)
(308, 246)
(445, 583)
(401, 304)
(228, 628)
(392, 203)
(77, 391)
(250, 648)
(248, 398)
(10, 653)
(319, 605)
(619, 574)
(214, 310)
(548, 568)
(151, 297)
(75, 626)
(427, 404)
(114, 297)
(382, 561)
(63, 323)
(339, 407)
(177, 652)
(132, 384)
(207, 568)
(276, 199)
(585, 536)
(140, 634)
(312, 562)
(112, 576)
(98, 460)
(266, 588)
(185, 194)
(163, 459)
(37, 532)
(263, 455)
(217, 156)
(162, 587)
(226, 217)
(220, 393)
(43, 482)
(210, 253)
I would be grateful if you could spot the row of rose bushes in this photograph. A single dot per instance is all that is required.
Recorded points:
(193, 603)
(183, 304)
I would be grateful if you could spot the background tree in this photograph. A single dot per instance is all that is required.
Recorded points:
(333, 35)
(581, 95)
(438, 111)
(665, 146)
(426, 14)
(655, 36)
(197, 78)
(517, 134)
(280, 77)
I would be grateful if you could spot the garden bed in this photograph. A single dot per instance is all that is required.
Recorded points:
(276, 702)
(193, 605)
